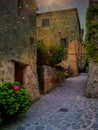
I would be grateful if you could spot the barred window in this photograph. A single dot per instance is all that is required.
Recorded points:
(45, 22)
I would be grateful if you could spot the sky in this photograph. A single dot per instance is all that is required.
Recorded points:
(51, 5)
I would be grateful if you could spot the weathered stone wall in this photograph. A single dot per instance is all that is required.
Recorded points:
(17, 43)
(92, 85)
(72, 57)
(82, 53)
(75, 60)
(6, 71)
(51, 78)
(62, 24)
(76, 54)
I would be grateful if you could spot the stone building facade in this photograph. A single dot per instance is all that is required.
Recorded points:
(92, 84)
(63, 27)
(58, 26)
(75, 60)
(76, 57)
(17, 44)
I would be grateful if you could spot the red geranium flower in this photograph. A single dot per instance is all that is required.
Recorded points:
(16, 88)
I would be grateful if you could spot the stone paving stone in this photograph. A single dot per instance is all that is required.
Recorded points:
(39, 128)
(95, 125)
(64, 108)
(21, 128)
(49, 128)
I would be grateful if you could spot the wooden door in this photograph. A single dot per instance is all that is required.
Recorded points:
(19, 73)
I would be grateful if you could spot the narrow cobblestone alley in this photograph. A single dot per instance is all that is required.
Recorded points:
(65, 108)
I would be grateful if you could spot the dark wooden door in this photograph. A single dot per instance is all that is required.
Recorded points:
(19, 73)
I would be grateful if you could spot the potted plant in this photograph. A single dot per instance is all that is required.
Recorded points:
(14, 99)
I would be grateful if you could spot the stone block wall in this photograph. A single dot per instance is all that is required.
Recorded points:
(62, 24)
(92, 84)
(75, 58)
(18, 44)
(6, 71)
(72, 57)
(51, 78)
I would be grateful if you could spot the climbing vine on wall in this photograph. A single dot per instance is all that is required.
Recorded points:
(92, 33)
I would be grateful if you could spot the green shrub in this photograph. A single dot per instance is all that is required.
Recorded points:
(51, 54)
(40, 47)
(41, 53)
(67, 75)
(13, 99)
(92, 28)
(57, 52)
(0, 121)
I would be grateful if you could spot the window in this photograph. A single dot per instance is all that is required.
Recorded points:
(45, 22)
(64, 41)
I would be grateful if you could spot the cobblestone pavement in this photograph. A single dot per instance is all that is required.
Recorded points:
(65, 108)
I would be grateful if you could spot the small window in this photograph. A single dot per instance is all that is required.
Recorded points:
(64, 41)
(45, 22)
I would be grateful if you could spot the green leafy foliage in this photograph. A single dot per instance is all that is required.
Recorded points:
(51, 54)
(57, 52)
(40, 47)
(13, 101)
(0, 120)
(92, 29)
(67, 75)
(91, 12)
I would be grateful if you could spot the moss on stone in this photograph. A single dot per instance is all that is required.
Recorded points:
(92, 28)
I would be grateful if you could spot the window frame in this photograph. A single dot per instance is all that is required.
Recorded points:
(45, 22)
